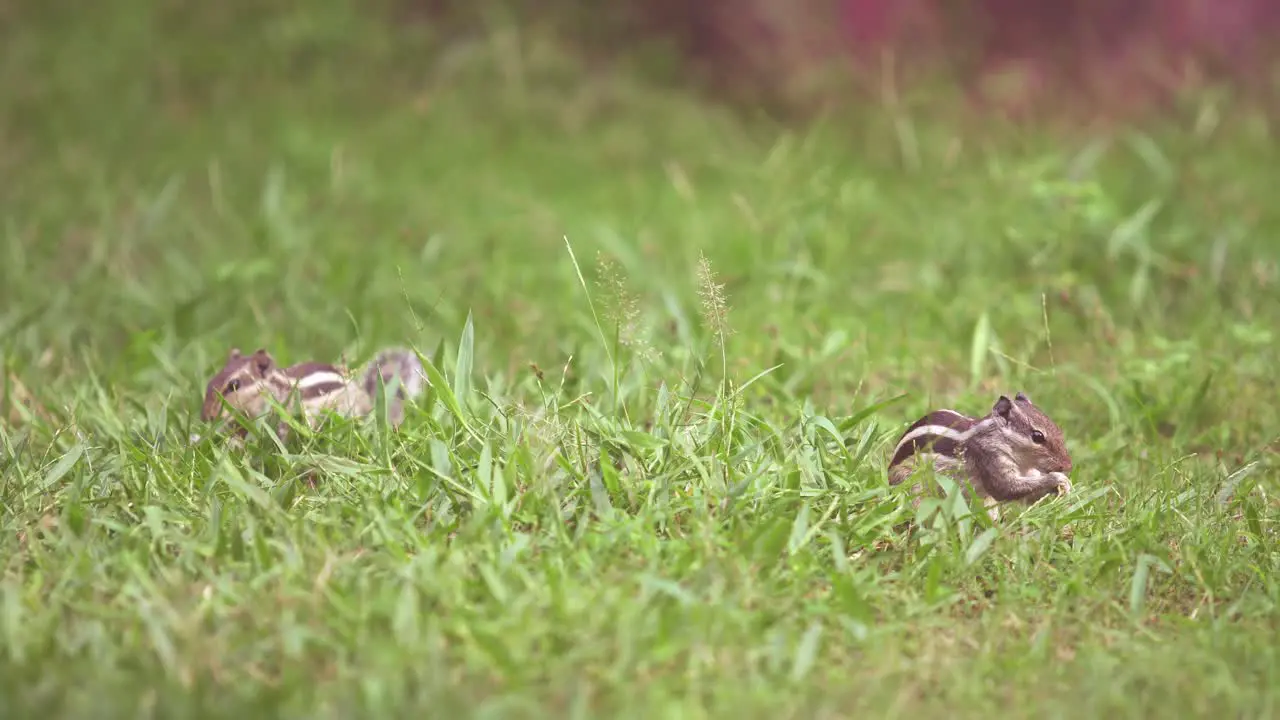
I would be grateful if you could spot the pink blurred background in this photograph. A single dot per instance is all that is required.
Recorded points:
(1110, 53)
(1103, 56)
(1117, 52)
(1221, 26)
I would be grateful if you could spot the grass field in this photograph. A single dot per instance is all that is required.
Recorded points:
(673, 347)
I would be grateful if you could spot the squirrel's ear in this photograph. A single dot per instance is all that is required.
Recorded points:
(262, 360)
(1022, 398)
(1003, 407)
(234, 354)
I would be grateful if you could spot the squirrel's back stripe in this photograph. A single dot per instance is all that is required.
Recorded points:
(320, 379)
(303, 371)
(315, 379)
(311, 392)
(940, 432)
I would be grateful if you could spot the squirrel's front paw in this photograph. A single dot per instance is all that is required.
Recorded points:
(1063, 486)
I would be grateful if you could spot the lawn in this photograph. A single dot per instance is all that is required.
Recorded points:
(673, 344)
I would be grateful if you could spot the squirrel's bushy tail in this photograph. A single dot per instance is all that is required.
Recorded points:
(401, 372)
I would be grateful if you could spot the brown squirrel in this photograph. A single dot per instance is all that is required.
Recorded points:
(1015, 453)
(249, 383)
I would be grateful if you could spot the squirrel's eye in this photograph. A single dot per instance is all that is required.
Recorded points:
(231, 387)
(1037, 437)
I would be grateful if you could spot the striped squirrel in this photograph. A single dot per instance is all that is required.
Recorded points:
(1014, 453)
(246, 382)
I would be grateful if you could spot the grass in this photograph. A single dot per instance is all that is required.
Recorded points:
(672, 348)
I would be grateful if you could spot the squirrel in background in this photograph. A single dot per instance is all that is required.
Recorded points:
(250, 383)
(1014, 453)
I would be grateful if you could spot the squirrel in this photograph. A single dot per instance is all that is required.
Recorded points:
(247, 383)
(1015, 453)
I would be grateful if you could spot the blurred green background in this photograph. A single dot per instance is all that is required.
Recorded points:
(326, 178)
